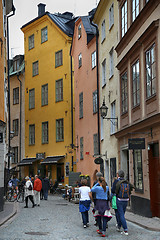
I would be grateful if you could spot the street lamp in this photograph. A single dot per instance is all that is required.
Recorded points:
(104, 111)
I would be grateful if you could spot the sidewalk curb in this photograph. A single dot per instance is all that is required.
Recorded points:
(14, 212)
(140, 224)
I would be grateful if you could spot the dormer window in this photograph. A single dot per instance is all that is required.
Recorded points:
(16, 64)
(79, 31)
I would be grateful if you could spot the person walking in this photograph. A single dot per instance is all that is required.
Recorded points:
(37, 189)
(28, 192)
(46, 187)
(113, 196)
(84, 203)
(102, 209)
(123, 189)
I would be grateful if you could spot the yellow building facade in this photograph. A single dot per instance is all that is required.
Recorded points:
(48, 110)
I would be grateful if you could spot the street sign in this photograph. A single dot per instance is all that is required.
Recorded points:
(98, 160)
(40, 156)
(1, 137)
(136, 143)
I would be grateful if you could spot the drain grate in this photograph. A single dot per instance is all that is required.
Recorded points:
(37, 233)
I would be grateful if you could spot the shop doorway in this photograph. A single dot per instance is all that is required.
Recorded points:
(60, 173)
(125, 162)
(154, 177)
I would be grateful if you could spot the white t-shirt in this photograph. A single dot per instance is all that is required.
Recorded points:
(84, 193)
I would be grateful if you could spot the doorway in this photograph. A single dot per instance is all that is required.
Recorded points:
(154, 177)
(125, 162)
(60, 172)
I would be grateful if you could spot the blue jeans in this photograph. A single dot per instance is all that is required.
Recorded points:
(100, 220)
(121, 209)
(85, 217)
(45, 193)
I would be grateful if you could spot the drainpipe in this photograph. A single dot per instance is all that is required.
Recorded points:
(9, 109)
(72, 144)
(98, 112)
(20, 118)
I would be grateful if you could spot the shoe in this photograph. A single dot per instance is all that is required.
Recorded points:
(84, 226)
(38, 205)
(103, 235)
(87, 224)
(118, 229)
(99, 232)
(26, 207)
(125, 233)
(33, 206)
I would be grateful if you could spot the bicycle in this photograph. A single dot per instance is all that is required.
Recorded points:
(12, 194)
(20, 195)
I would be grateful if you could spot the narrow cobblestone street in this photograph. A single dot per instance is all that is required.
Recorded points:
(57, 219)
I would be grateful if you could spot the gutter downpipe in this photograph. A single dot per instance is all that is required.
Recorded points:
(72, 144)
(98, 112)
(9, 109)
(20, 118)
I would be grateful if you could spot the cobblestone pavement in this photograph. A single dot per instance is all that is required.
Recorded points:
(57, 219)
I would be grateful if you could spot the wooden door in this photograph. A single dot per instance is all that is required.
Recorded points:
(154, 177)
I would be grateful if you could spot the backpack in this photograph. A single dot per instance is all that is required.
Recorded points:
(30, 187)
(124, 189)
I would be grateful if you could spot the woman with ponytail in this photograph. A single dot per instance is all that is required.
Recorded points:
(102, 209)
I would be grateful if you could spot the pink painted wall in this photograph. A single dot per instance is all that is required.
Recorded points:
(85, 81)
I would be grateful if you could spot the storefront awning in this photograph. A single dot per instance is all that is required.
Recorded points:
(52, 159)
(27, 162)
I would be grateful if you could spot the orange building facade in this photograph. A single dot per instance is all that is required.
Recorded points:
(85, 88)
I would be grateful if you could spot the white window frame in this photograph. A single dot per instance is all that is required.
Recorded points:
(44, 34)
(32, 98)
(31, 42)
(103, 33)
(32, 134)
(124, 18)
(59, 130)
(59, 90)
(79, 31)
(58, 58)
(94, 59)
(135, 9)
(111, 63)
(95, 102)
(44, 132)
(111, 16)
(44, 95)
(104, 73)
(35, 66)
(80, 60)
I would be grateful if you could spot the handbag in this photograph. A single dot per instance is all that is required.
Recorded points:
(114, 205)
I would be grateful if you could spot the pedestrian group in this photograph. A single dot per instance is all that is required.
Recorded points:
(100, 195)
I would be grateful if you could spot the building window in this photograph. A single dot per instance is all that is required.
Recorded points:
(79, 31)
(95, 101)
(44, 132)
(31, 98)
(95, 144)
(103, 30)
(81, 148)
(151, 71)
(94, 59)
(15, 155)
(111, 16)
(136, 84)
(59, 130)
(45, 95)
(135, 9)
(35, 68)
(16, 64)
(59, 90)
(111, 63)
(44, 34)
(15, 127)
(124, 18)
(79, 60)
(81, 105)
(138, 171)
(104, 73)
(58, 58)
(32, 134)
(31, 41)
(124, 92)
(113, 115)
(16, 95)
(102, 129)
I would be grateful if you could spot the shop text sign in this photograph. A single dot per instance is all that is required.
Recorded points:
(136, 143)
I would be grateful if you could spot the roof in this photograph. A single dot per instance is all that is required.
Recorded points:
(52, 159)
(64, 21)
(21, 66)
(27, 161)
(89, 28)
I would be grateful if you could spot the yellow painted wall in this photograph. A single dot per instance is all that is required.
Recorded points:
(45, 54)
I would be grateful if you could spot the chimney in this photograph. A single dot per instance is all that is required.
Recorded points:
(41, 9)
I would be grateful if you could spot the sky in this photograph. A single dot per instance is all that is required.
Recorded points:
(27, 10)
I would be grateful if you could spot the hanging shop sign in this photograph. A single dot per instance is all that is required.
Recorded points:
(98, 160)
(136, 143)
